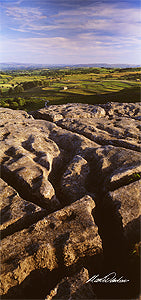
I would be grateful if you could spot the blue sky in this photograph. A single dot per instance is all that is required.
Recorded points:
(70, 31)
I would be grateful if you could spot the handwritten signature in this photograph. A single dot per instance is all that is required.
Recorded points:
(110, 278)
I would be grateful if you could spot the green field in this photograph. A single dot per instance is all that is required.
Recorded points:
(29, 90)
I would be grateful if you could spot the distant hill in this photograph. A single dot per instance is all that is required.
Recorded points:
(22, 66)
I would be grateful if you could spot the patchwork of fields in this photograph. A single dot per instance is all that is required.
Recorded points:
(29, 90)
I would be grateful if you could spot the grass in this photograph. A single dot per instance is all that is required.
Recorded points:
(84, 86)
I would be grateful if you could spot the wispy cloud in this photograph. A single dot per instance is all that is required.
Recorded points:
(84, 45)
(111, 19)
(99, 31)
(18, 13)
(108, 18)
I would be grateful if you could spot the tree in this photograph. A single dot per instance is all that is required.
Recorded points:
(22, 102)
(14, 105)
(10, 90)
(1, 92)
(19, 89)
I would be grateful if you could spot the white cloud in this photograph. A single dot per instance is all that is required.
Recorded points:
(109, 18)
(58, 49)
(18, 13)
(101, 32)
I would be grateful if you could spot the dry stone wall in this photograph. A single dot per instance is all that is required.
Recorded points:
(70, 200)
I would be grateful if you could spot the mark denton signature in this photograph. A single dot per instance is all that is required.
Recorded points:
(110, 278)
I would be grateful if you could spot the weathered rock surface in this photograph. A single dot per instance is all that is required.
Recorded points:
(50, 159)
(73, 288)
(130, 110)
(74, 111)
(16, 213)
(113, 124)
(117, 166)
(73, 180)
(63, 237)
(129, 198)
(128, 202)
